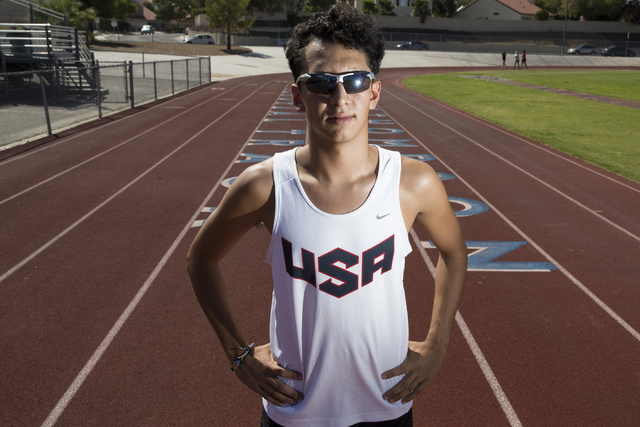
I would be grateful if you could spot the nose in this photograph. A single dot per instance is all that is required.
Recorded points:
(339, 95)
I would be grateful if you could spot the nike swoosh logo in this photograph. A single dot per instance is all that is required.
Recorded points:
(382, 216)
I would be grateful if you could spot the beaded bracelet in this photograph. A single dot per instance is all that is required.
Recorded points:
(240, 359)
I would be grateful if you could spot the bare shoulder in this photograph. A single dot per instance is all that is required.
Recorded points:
(255, 182)
(421, 191)
(248, 202)
(417, 175)
(419, 180)
(251, 194)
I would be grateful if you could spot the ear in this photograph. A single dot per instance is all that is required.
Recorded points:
(296, 98)
(376, 88)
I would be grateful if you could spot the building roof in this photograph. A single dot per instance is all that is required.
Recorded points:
(523, 7)
(144, 13)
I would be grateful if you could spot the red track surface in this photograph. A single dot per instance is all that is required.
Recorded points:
(99, 325)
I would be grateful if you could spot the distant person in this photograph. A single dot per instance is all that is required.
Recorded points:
(524, 60)
(517, 63)
(504, 60)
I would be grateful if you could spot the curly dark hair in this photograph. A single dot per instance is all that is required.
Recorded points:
(342, 24)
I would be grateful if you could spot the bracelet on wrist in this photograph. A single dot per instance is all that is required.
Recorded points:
(245, 352)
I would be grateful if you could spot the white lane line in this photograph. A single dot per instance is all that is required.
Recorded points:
(106, 151)
(113, 196)
(475, 348)
(564, 271)
(88, 367)
(510, 134)
(566, 196)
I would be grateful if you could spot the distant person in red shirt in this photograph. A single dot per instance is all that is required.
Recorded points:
(524, 60)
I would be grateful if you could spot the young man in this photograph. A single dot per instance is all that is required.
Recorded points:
(339, 211)
(516, 64)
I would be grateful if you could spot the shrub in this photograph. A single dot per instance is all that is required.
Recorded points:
(370, 7)
(541, 15)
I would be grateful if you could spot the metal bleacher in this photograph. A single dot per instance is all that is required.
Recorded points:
(58, 53)
(35, 47)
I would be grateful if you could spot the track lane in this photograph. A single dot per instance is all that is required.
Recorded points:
(57, 297)
(475, 165)
(250, 291)
(71, 153)
(548, 356)
(557, 169)
(621, 212)
(69, 198)
(112, 373)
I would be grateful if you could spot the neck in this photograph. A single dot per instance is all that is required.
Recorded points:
(335, 163)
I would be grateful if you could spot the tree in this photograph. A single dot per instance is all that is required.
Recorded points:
(318, 5)
(631, 12)
(421, 10)
(179, 10)
(541, 15)
(370, 7)
(268, 6)
(444, 8)
(608, 10)
(596, 10)
(108, 9)
(460, 3)
(77, 15)
(386, 8)
(584, 8)
(228, 14)
(551, 6)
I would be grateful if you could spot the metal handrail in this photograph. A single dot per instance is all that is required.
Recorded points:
(40, 9)
(55, 38)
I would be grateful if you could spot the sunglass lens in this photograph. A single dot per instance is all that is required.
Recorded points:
(322, 85)
(325, 85)
(356, 83)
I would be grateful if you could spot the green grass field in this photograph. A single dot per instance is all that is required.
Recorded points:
(602, 134)
(615, 84)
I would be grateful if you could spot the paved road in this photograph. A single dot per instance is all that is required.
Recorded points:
(270, 60)
(137, 37)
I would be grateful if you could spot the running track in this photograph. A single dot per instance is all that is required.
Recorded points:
(99, 325)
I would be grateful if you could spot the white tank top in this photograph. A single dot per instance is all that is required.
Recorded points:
(338, 312)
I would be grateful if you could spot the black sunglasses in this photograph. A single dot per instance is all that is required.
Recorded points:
(326, 83)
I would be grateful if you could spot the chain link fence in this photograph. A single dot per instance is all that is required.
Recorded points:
(37, 103)
(469, 43)
(496, 44)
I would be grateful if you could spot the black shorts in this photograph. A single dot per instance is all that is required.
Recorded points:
(404, 421)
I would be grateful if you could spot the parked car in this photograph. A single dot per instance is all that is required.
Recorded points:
(413, 46)
(617, 51)
(585, 49)
(147, 29)
(200, 39)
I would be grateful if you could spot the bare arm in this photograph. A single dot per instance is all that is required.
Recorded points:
(248, 201)
(424, 199)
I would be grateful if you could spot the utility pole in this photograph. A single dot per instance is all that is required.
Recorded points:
(564, 33)
(626, 49)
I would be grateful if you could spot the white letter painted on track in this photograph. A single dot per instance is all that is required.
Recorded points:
(482, 259)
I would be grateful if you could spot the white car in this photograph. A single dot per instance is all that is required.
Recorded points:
(200, 39)
(585, 49)
(147, 29)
